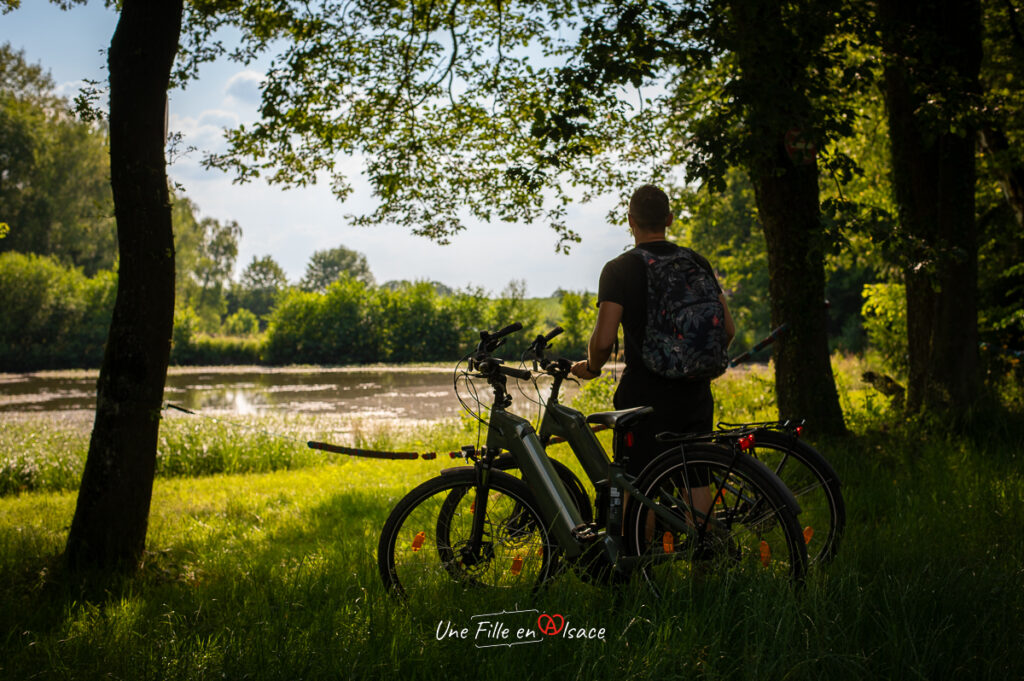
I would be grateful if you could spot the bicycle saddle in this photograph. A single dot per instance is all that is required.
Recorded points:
(623, 418)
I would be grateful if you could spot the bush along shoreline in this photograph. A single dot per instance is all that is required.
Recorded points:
(57, 317)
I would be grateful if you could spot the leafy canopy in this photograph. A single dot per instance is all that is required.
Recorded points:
(447, 105)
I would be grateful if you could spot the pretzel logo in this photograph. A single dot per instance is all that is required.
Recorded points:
(547, 625)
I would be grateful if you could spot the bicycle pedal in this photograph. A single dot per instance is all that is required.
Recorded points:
(585, 532)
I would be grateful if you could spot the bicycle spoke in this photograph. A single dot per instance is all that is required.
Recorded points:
(428, 543)
(748, 526)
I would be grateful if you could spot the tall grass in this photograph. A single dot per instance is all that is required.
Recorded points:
(273, 576)
(46, 452)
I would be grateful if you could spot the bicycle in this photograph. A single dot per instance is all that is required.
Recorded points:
(777, 444)
(474, 525)
(809, 476)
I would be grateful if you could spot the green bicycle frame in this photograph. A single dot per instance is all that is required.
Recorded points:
(515, 434)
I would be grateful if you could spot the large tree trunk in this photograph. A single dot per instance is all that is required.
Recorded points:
(111, 517)
(774, 71)
(787, 203)
(933, 57)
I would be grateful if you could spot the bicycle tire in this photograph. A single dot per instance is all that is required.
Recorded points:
(573, 485)
(813, 482)
(754, 524)
(423, 547)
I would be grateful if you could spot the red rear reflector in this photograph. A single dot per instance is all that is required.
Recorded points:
(629, 438)
(799, 430)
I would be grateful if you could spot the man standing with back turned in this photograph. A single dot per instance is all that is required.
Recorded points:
(667, 367)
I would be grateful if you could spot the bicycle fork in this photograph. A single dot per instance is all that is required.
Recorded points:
(473, 553)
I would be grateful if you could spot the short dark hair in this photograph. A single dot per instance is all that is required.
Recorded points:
(649, 207)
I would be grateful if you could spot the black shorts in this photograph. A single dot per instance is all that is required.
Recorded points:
(679, 406)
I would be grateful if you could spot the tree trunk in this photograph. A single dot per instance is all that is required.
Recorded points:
(772, 57)
(787, 204)
(111, 517)
(933, 58)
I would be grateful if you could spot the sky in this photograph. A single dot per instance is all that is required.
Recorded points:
(291, 224)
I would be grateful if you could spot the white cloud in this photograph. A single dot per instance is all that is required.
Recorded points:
(69, 89)
(244, 87)
(205, 132)
(218, 118)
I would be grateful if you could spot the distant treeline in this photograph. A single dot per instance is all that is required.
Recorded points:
(56, 317)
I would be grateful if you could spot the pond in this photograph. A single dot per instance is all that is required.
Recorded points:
(379, 392)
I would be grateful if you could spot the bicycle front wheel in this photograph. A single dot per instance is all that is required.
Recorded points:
(736, 516)
(427, 543)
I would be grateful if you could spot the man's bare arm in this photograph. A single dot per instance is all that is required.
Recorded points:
(730, 326)
(609, 316)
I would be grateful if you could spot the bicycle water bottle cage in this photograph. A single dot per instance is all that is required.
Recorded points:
(622, 418)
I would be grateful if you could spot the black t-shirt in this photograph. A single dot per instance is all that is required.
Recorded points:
(679, 404)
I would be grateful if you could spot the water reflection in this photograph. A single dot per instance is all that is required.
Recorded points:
(378, 392)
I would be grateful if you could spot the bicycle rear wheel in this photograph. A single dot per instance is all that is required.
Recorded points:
(815, 485)
(426, 543)
(739, 518)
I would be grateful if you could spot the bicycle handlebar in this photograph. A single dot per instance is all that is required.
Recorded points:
(766, 341)
(554, 332)
(492, 365)
(536, 349)
(522, 374)
(511, 328)
(556, 367)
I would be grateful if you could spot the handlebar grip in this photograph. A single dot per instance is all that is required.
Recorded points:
(771, 338)
(511, 328)
(515, 373)
(739, 359)
(554, 332)
(765, 342)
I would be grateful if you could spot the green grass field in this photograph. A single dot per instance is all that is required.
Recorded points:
(269, 572)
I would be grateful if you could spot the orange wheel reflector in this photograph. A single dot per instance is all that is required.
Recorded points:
(517, 565)
(668, 542)
(720, 498)
(808, 533)
(540, 552)
(417, 541)
(766, 553)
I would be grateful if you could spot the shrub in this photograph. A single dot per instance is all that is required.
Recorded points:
(53, 316)
(885, 320)
(595, 395)
(578, 314)
(241, 323)
(341, 326)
